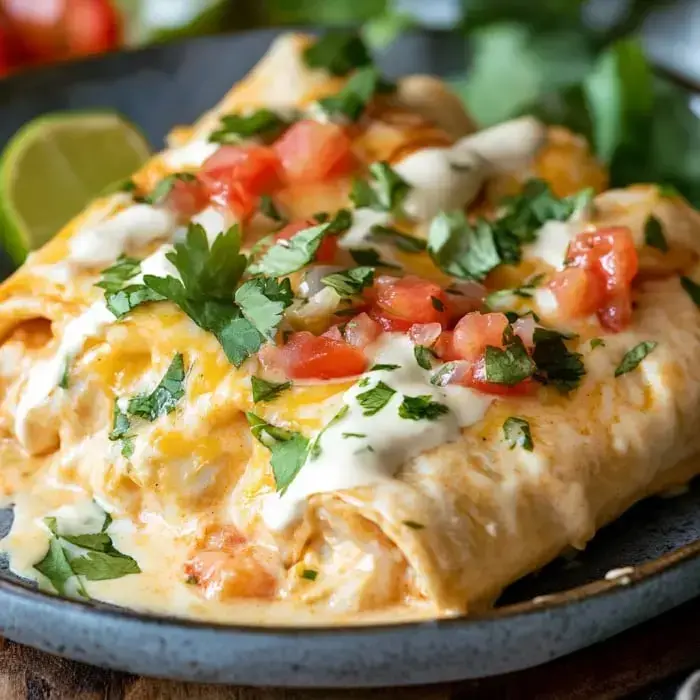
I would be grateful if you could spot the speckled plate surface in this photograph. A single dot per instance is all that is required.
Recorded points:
(574, 605)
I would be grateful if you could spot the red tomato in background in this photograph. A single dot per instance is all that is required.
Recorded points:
(236, 176)
(326, 251)
(314, 152)
(91, 26)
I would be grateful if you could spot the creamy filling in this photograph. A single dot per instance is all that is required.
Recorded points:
(361, 450)
(191, 155)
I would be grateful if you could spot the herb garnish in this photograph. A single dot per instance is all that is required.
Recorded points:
(114, 277)
(424, 356)
(351, 101)
(444, 374)
(413, 525)
(421, 408)
(163, 399)
(556, 364)
(654, 234)
(373, 400)
(350, 282)
(386, 191)
(370, 257)
(291, 255)
(509, 365)
(692, 288)
(267, 391)
(338, 53)
(309, 574)
(165, 186)
(597, 343)
(400, 240)
(517, 432)
(99, 560)
(235, 128)
(383, 368)
(64, 381)
(634, 356)
(289, 449)
(353, 435)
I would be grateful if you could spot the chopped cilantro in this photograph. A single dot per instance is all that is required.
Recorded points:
(309, 574)
(437, 304)
(64, 382)
(338, 53)
(424, 356)
(421, 408)
(235, 128)
(125, 300)
(353, 435)
(165, 186)
(634, 356)
(351, 101)
(692, 288)
(370, 257)
(373, 400)
(267, 391)
(340, 222)
(597, 343)
(262, 302)
(114, 277)
(120, 423)
(288, 256)
(289, 449)
(386, 191)
(383, 368)
(413, 525)
(525, 291)
(556, 364)
(164, 397)
(509, 365)
(269, 209)
(444, 374)
(654, 234)
(315, 448)
(400, 240)
(350, 282)
(517, 432)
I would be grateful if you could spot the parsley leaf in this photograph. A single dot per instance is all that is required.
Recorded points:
(423, 356)
(421, 408)
(114, 277)
(98, 566)
(338, 53)
(509, 365)
(267, 391)
(263, 301)
(517, 432)
(444, 374)
(386, 191)
(524, 291)
(692, 288)
(556, 364)
(373, 400)
(164, 397)
(340, 222)
(351, 101)
(289, 449)
(654, 234)
(291, 255)
(350, 282)
(400, 240)
(57, 569)
(165, 186)
(634, 356)
(235, 128)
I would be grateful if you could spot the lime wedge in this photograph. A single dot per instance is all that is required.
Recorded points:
(54, 166)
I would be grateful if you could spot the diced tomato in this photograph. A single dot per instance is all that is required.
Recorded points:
(91, 26)
(401, 302)
(444, 347)
(602, 266)
(187, 198)
(361, 330)
(476, 379)
(236, 176)
(306, 356)
(326, 251)
(312, 152)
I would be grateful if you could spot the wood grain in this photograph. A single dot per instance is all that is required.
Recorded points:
(659, 649)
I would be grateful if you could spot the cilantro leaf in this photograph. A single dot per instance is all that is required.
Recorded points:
(309, 574)
(114, 277)
(444, 374)
(517, 432)
(350, 282)
(383, 368)
(340, 222)
(556, 364)
(64, 381)
(597, 343)
(386, 191)
(351, 101)
(421, 408)
(291, 255)
(125, 300)
(509, 365)
(267, 391)
(120, 423)
(263, 301)
(164, 397)
(370, 257)
(55, 566)
(235, 128)
(692, 288)
(400, 240)
(373, 400)
(289, 449)
(633, 357)
(165, 186)
(338, 53)
(99, 566)
(654, 234)
(424, 356)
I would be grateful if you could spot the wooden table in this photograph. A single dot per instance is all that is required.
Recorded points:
(668, 647)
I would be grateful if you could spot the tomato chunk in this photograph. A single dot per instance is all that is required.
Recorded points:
(312, 152)
(326, 251)
(91, 26)
(401, 302)
(236, 176)
(306, 356)
(187, 198)
(602, 266)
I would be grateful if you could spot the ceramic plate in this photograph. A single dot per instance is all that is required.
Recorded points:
(565, 607)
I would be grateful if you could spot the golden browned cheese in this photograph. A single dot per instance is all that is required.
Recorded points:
(197, 480)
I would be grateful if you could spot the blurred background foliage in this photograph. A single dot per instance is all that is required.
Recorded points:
(579, 63)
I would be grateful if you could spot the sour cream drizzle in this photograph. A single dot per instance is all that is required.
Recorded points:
(388, 441)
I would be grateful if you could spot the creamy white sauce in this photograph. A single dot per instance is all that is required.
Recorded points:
(441, 179)
(552, 242)
(363, 219)
(83, 517)
(101, 244)
(350, 462)
(191, 155)
(214, 221)
(157, 265)
(46, 375)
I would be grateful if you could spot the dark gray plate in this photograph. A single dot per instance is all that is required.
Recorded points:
(157, 88)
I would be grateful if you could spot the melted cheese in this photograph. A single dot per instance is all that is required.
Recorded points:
(388, 441)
